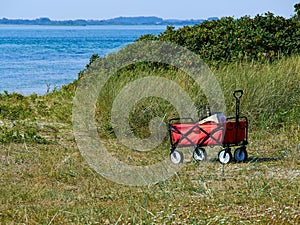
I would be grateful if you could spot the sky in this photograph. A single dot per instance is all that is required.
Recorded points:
(167, 9)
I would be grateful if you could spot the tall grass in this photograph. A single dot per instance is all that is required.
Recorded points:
(271, 98)
(271, 93)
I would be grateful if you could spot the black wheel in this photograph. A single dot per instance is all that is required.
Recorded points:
(176, 157)
(240, 154)
(199, 154)
(225, 156)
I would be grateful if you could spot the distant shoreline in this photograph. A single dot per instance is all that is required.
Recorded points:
(140, 20)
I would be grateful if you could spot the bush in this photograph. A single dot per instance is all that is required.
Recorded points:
(262, 38)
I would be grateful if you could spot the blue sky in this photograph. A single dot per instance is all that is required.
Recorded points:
(167, 9)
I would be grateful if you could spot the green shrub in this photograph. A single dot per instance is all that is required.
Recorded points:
(263, 38)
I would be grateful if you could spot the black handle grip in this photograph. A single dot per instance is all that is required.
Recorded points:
(238, 94)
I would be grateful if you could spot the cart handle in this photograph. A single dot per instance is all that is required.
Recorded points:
(238, 94)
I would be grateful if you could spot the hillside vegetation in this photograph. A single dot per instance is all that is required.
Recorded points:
(45, 180)
(263, 38)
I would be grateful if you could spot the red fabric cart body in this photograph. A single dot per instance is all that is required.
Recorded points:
(235, 132)
(208, 134)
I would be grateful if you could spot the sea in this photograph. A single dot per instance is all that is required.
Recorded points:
(37, 59)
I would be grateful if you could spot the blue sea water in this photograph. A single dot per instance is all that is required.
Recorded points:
(34, 58)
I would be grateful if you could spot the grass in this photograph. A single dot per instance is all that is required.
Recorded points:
(45, 180)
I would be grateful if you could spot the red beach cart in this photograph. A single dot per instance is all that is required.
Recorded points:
(213, 130)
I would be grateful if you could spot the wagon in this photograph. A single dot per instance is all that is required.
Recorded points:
(213, 130)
